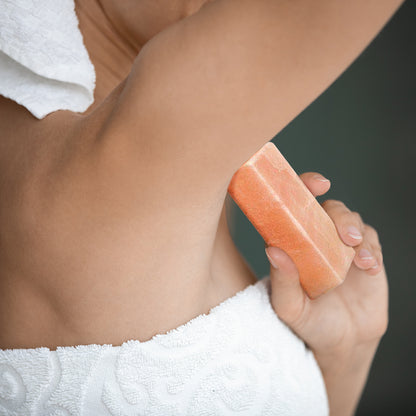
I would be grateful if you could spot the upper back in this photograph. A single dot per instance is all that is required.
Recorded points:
(93, 242)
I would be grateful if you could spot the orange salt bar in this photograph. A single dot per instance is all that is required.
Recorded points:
(287, 215)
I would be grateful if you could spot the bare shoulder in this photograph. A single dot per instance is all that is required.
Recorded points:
(29, 146)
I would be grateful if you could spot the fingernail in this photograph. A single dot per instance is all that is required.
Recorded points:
(269, 254)
(320, 178)
(365, 254)
(354, 233)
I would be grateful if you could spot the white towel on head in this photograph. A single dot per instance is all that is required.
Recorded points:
(239, 359)
(44, 64)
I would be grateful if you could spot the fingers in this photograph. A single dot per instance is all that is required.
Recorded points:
(369, 255)
(349, 224)
(288, 298)
(316, 183)
(353, 232)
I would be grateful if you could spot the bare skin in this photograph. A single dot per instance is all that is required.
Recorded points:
(113, 223)
(110, 279)
(79, 270)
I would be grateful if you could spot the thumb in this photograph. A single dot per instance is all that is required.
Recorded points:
(287, 296)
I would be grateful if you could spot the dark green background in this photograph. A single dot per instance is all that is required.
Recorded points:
(361, 135)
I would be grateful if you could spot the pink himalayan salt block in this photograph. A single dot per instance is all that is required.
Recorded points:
(287, 215)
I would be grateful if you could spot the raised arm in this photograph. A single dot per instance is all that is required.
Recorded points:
(211, 89)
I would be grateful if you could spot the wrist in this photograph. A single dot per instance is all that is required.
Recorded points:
(345, 376)
(346, 359)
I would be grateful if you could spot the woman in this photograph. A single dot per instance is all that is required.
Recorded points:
(113, 222)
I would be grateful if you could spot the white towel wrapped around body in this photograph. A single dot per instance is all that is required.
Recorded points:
(44, 65)
(239, 359)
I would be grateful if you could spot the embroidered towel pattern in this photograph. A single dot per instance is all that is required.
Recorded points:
(239, 359)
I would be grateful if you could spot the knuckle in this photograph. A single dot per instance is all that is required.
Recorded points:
(345, 217)
(372, 235)
(369, 229)
(377, 248)
(327, 203)
(332, 204)
(356, 217)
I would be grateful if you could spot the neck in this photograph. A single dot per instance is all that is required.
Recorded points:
(111, 54)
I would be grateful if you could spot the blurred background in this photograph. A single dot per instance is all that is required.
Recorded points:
(361, 135)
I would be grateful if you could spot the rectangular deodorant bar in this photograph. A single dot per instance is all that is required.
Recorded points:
(287, 215)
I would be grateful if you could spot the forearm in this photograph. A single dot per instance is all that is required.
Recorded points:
(345, 377)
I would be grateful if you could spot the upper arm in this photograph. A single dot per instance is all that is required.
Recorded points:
(208, 91)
